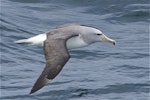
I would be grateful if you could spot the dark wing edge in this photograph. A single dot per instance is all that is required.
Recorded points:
(56, 55)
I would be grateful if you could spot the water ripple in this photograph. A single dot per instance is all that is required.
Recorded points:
(105, 72)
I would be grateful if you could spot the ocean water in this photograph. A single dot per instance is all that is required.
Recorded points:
(98, 72)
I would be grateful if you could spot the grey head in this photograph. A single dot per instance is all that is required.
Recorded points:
(91, 35)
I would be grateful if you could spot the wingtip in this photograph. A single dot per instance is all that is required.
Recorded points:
(34, 90)
(41, 82)
(31, 92)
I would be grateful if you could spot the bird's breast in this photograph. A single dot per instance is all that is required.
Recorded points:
(76, 42)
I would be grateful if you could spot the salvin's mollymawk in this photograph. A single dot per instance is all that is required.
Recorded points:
(56, 44)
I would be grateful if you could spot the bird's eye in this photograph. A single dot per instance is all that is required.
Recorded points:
(99, 34)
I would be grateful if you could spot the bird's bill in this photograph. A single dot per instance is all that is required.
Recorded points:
(106, 39)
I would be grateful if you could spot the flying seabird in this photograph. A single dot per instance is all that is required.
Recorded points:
(56, 44)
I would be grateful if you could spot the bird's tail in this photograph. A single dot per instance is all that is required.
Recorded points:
(22, 41)
(36, 40)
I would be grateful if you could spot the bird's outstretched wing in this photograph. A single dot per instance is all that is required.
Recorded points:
(56, 55)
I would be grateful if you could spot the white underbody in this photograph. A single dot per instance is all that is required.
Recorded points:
(72, 43)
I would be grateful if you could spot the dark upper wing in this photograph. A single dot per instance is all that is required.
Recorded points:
(56, 55)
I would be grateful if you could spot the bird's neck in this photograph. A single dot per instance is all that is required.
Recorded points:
(76, 42)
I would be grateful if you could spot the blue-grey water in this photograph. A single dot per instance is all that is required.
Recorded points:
(97, 72)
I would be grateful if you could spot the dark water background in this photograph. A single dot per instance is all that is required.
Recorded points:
(98, 72)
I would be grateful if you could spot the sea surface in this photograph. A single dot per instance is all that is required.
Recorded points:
(100, 71)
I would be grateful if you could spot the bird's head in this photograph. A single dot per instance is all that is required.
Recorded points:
(97, 36)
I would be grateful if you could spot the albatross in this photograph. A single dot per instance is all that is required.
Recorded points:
(56, 44)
